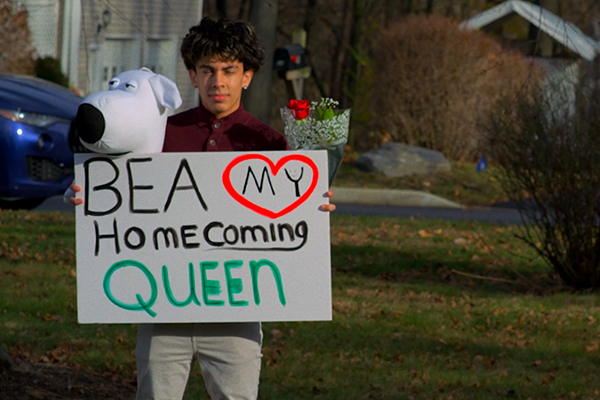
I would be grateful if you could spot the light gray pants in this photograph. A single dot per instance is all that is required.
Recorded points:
(229, 356)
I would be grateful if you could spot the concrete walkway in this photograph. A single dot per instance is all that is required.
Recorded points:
(393, 198)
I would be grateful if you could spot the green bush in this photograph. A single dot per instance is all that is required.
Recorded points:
(48, 68)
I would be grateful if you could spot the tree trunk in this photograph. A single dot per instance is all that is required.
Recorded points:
(339, 58)
(356, 52)
(309, 20)
(392, 11)
(429, 8)
(242, 12)
(257, 98)
(222, 8)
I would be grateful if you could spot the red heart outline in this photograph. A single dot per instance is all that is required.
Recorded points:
(274, 169)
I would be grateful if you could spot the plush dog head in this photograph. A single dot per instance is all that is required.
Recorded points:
(129, 117)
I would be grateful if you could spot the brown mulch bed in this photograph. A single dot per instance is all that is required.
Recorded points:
(30, 381)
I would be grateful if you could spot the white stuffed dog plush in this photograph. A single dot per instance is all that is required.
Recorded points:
(129, 117)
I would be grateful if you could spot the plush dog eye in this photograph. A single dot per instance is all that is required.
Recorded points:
(113, 83)
(130, 85)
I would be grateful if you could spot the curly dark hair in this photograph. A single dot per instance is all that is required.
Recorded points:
(224, 40)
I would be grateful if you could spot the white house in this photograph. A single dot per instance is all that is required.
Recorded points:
(96, 39)
(562, 75)
(557, 28)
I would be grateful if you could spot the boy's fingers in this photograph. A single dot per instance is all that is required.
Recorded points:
(328, 207)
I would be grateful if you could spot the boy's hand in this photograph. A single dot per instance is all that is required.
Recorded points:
(69, 196)
(328, 207)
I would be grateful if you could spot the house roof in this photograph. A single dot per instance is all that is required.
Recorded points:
(560, 30)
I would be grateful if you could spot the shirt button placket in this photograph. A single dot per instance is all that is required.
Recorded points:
(216, 125)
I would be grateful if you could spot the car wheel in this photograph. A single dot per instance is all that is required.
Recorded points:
(21, 204)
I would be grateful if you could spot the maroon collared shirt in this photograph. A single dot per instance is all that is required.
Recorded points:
(198, 129)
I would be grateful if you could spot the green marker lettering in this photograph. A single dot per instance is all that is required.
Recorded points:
(234, 285)
(169, 292)
(141, 304)
(210, 286)
(254, 269)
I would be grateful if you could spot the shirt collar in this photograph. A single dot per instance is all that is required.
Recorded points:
(206, 117)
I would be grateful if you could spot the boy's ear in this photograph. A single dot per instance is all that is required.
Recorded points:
(248, 74)
(192, 75)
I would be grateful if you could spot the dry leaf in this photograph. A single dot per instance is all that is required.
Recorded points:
(592, 347)
(460, 241)
(423, 233)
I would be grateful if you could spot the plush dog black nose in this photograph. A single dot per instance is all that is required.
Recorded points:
(90, 123)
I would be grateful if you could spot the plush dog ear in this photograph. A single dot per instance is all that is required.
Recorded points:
(166, 91)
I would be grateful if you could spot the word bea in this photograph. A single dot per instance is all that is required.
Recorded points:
(216, 235)
(210, 288)
(104, 198)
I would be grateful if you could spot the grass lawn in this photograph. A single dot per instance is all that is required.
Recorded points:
(423, 309)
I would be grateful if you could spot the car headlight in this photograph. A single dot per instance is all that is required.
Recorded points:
(39, 120)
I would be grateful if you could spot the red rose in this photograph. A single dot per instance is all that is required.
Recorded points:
(300, 108)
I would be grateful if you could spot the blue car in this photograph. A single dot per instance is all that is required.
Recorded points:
(36, 160)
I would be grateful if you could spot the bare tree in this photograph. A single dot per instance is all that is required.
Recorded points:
(17, 52)
(435, 80)
(548, 150)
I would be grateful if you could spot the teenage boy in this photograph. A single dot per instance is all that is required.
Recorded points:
(221, 57)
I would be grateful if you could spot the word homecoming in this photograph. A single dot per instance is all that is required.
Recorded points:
(111, 236)
(215, 234)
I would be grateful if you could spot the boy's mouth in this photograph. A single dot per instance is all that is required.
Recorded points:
(219, 97)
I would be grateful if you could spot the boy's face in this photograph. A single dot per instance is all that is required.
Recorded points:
(220, 84)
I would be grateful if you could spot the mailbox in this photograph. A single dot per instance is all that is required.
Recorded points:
(288, 58)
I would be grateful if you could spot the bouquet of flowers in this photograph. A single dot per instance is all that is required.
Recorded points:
(316, 126)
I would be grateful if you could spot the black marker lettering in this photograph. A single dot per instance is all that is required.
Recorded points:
(295, 181)
(262, 180)
(236, 234)
(106, 186)
(133, 187)
(207, 230)
(114, 235)
(141, 238)
(252, 230)
(185, 235)
(184, 165)
(166, 232)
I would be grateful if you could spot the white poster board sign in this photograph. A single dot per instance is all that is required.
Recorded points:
(203, 237)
